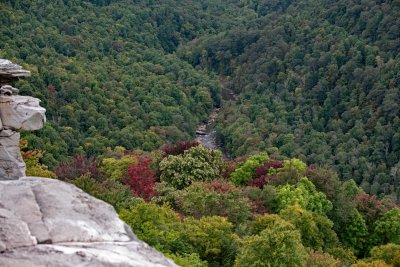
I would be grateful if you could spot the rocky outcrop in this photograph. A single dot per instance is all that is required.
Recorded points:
(16, 113)
(46, 222)
(10, 72)
(21, 113)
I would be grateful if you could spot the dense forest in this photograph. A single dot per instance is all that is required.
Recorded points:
(316, 80)
(105, 72)
(309, 102)
(202, 210)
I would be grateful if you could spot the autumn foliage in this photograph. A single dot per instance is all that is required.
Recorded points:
(141, 178)
(178, 148)
(262, 173)
(78, 166)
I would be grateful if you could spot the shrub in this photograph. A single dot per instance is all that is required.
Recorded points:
(34, 167)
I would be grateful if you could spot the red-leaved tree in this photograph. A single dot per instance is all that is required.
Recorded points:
(77, 166)
(141, 179)
(261, 174)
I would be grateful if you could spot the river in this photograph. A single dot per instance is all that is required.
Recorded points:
(207, 136)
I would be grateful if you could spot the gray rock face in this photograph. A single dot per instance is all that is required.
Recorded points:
(16, 113)
(21, 113)
(10, 72)
(101, 254)
(12, 166)
(46, 222)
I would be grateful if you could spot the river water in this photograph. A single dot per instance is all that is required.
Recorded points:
(207, 136)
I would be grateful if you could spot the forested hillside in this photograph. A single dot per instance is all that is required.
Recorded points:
(318, 80)
(309, 103)
(315, 80)
(105, 72)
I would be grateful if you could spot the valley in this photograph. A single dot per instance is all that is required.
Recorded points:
(295, 105)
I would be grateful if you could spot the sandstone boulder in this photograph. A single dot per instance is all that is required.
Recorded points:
(46, 222)
(21, 113)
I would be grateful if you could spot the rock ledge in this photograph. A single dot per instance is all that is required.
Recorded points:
(46, 222)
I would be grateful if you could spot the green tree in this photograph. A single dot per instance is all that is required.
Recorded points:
(374, 263)
(387, 228)
(355, 233)
(247, 169)
(204, 199)
(117, 168)
(279, 244)
(291, 172)
(196, 164)
(315, 229)
(344, 255)
(212, 239)
(188, 260)
(390, 253)
(304, 194)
